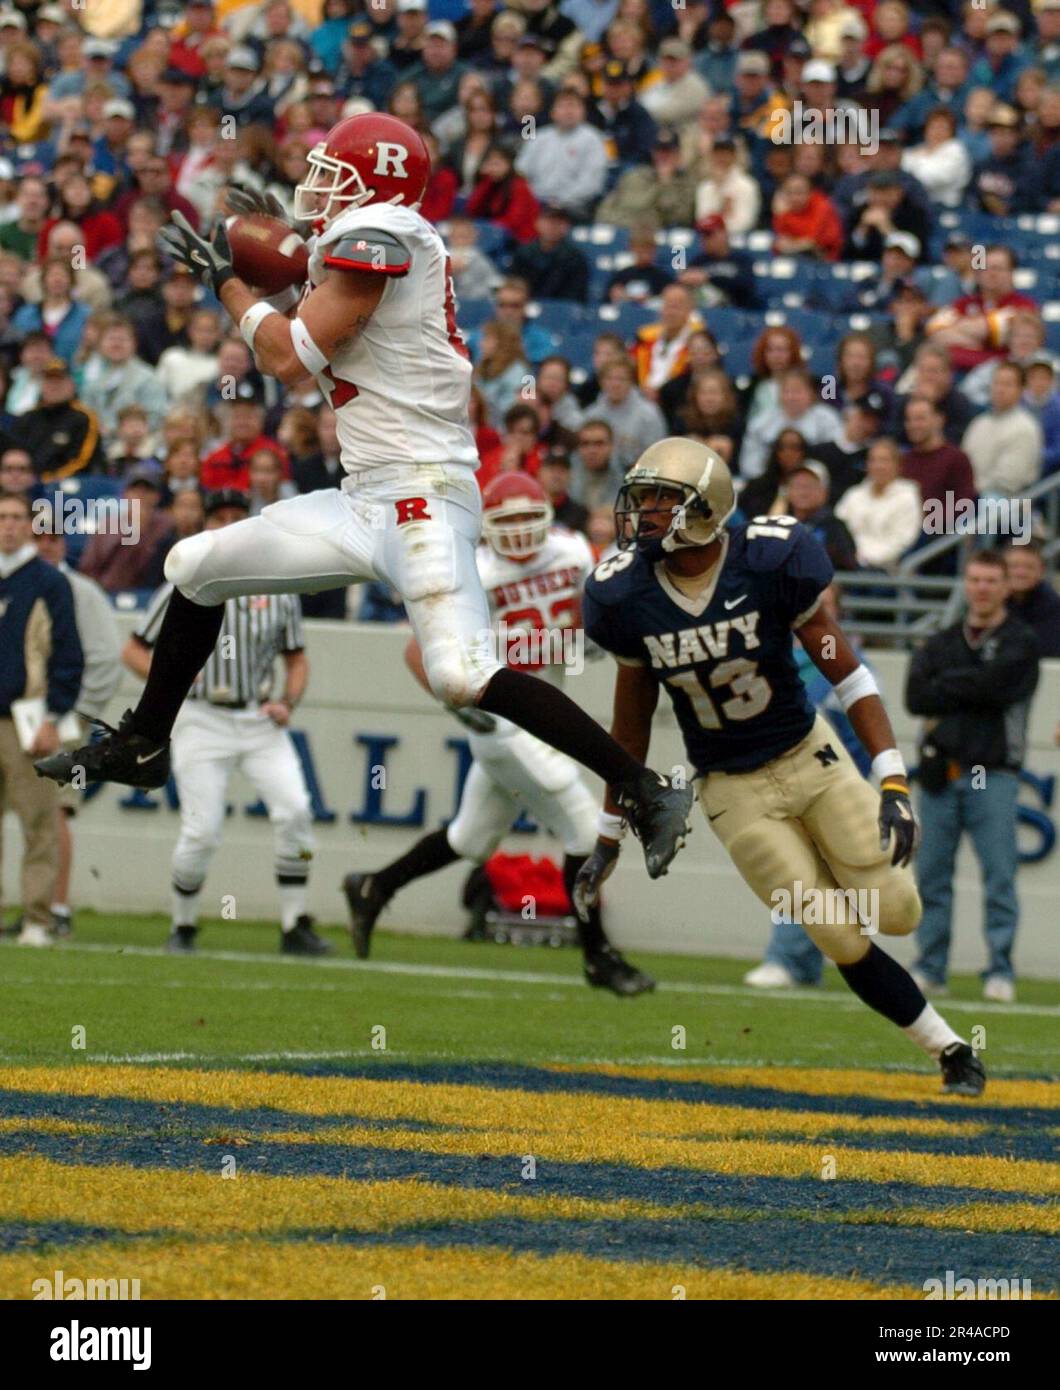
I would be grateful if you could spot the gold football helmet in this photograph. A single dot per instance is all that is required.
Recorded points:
(678, 494)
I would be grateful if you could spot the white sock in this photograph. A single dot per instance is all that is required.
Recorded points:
(292, 903)
(61, 909)
(185, 908)
(931, 1032)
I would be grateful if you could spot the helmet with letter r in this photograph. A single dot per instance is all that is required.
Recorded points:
(678, 494)
(516, 515)
(370, 158)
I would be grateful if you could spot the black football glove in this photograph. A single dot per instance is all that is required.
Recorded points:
(478, 720)
(247, 201)
(897, 818)
(598, 867)
(210, 261)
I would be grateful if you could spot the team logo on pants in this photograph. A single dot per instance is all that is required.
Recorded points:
(411, 509)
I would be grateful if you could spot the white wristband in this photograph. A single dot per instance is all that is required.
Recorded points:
(611, 827)
(856, 686)
(889, 763)
(307, 352)
(251, 321)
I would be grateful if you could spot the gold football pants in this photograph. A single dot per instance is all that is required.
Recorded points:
(804, 826)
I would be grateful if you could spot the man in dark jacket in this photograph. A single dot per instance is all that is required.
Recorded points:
(973, 683)
(626, 125)
(1033, 598)
(42, 661)
(551, 264)
(60, 435)
(1006, 182)
(721, 267)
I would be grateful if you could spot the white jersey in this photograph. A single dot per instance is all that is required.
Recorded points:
(534, 604)
(400, 390)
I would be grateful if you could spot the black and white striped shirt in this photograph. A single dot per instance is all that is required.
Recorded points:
(255, 629)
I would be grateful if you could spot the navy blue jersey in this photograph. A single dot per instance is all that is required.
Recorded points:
(726, 658)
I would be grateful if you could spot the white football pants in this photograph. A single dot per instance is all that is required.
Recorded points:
(209, 744)
(414, 527)
(512, 772)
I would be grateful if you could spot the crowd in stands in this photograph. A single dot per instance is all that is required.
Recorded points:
(860, 324)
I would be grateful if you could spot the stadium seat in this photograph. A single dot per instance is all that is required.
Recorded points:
(557, 315)
(624, 318)
(474, 313)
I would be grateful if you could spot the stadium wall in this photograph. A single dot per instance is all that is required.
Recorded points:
(363, 712)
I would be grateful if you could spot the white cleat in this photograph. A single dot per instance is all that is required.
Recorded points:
(769, 975)
(999, 989)
(927, 987)
(33, 934)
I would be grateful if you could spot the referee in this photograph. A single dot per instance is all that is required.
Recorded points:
(229, 721)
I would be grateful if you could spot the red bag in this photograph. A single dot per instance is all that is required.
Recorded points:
(516, 878)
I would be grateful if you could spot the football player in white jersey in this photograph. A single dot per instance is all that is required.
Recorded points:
(375, 327)
(533, 573)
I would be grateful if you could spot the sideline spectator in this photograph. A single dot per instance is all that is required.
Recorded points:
(973, 684)
(884, 513)
(551, 264)
(124, 560)
(635, 422)
(1005, 443)
(567, 162)
(61, 434)
(42, 660)
(1032, 597)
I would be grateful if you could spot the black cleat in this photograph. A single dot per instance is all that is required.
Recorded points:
(119, 756)
(963, 1074)
(302, 940)
(658, 813)
(606, 969)
(365, 906)
(182, 941)
(62, 923)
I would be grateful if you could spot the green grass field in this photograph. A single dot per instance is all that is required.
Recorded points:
(452, 1000)
(456, 1120)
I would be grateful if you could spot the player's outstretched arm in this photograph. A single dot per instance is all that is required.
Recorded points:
(290, 350)
(828, 649)
(335, 313)
(636, 698)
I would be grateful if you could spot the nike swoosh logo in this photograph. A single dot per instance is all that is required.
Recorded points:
(716, 815)
(150, 757)
(732, 602)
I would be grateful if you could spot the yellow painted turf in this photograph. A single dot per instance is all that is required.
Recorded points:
(212, 1247)
(254, 1269)
(145, 1200)
(872, 1085)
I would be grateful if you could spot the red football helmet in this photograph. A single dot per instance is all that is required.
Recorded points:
(516, 515)
(369, 158)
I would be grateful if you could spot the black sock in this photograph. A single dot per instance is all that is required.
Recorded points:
(591, 935)
(885, 986)
(426, 856)
(188, 635)
(548, 714)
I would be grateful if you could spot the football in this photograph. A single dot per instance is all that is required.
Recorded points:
(266, 253)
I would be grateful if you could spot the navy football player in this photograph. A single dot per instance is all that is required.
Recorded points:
(708, 614)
